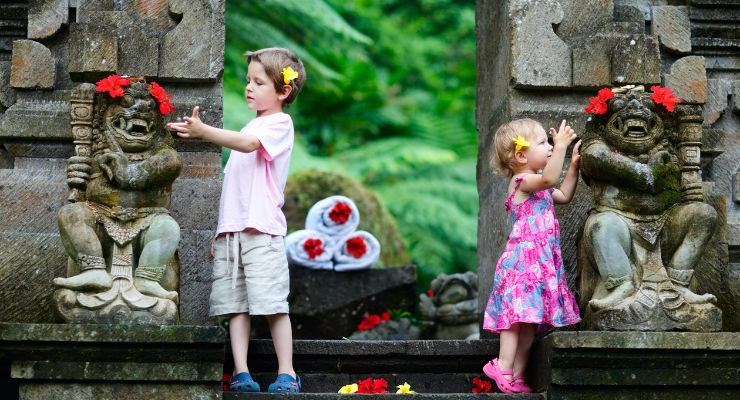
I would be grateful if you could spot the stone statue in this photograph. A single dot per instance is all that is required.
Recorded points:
(117, 229)
(649, 224)
(451, 304)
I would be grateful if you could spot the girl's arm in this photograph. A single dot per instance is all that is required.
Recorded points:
(565, 194)
(193, 127)
(551, 173)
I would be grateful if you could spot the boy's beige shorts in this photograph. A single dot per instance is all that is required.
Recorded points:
(262, 281)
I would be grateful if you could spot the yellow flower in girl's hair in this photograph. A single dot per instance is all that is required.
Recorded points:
(520, 142)
(289, 74)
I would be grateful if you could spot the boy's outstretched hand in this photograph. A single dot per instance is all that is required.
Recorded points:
(564, 136)
(191, 127)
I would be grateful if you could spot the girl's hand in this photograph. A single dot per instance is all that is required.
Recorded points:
(575, 160)
(564, 136)
(191, 127)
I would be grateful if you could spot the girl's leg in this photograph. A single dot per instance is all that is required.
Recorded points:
(239, 332)
(282, 339)
(524, 344)
(509, 343)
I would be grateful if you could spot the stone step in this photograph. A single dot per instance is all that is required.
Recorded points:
(418, 396)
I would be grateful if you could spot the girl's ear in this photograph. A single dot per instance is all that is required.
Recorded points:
(520, 157)
(287, 89)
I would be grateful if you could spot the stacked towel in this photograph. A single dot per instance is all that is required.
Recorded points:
(330, 240)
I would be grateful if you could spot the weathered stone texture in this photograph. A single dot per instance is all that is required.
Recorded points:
(37, 116)
(672, 26)
(600, 18)
(688, 79)
(636, 60)
(7, 94)
(592, 60)
(45, 17)
(718, 92)
(539, 57)
(32, 66)
(93, 52)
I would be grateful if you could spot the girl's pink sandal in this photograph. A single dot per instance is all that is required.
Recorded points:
(493, 371)
(518, 384)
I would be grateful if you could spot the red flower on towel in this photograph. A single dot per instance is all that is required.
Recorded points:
(313, 247)
(665, 97)
(371, 385)
(162, 97)
(340, 212)
(481, 386)
(113, 84)
(356, 246)
(599, 103)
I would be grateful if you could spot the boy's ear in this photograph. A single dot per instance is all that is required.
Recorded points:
(287, 89)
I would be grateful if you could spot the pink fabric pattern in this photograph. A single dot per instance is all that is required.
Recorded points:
(530, 285)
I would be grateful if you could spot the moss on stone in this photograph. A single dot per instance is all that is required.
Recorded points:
(305, 188)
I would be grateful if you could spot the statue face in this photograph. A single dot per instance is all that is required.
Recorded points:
(633, 127)
(132, 119)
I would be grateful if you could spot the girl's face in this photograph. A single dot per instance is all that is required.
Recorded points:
(260, 92)
(539, 150)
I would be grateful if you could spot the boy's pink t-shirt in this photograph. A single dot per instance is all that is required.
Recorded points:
(252, 193)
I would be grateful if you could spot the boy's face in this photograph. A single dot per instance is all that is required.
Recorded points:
(260, 92)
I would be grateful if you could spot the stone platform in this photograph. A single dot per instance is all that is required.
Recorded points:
(66, 361)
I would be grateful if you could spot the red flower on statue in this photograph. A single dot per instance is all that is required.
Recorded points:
(665, 97)
(481, 386)
(600, 103)
(313, 247)
(162, 97)
(113, 85)
(373, 320)
(340, 212)
(370, 385)
(430, 293)
(356, 246)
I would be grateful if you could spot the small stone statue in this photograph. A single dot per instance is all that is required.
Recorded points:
(117, 229)
(649, 224)
(451, 304)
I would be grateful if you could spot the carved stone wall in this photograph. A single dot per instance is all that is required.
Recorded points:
(46, 48)
(544, 58)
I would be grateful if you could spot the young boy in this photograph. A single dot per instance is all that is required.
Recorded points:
(250, 269)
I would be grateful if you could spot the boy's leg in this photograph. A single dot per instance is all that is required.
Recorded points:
(239, 332)
(282, 339)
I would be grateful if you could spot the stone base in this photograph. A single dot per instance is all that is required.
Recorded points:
(118, 362)
(693, 318)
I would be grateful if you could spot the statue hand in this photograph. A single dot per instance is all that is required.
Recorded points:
(78, 171)
(115, 166)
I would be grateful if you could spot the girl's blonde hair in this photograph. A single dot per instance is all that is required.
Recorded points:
(274, 59)
(503, 160)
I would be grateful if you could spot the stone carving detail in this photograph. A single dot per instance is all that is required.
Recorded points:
(649, 225)
(452, 305)
(117, 230)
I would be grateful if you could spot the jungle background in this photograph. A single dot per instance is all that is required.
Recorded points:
(389, 100)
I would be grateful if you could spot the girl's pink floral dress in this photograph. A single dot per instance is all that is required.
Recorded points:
(530, 285)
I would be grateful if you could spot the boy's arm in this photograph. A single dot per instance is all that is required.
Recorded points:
(570, 182)
(193, 127)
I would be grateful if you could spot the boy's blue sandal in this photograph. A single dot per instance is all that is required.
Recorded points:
(243, 382)
(285, 384)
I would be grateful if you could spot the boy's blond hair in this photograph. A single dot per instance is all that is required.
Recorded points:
(503, 160)
(274, 59)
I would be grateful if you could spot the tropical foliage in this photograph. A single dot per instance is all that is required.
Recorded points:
(389, 100)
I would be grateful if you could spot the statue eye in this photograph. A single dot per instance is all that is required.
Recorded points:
(127, 101)
(618, 104)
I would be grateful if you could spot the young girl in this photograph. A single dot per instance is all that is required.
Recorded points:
(250, 269)
(529, 289)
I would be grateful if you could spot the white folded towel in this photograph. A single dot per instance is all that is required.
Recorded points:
(309, 249)
(359, 250)
(334, 216)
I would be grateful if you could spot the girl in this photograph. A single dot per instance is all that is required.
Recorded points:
(250, 269)
(529, 289)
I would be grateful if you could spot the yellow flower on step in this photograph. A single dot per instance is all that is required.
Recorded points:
(520, 142)
(289, 74)
(404, 389)
(347, 389)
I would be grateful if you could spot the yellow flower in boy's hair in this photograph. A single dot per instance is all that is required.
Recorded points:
(404, 389)
(347, 389)
(289, 74)
(520, 142)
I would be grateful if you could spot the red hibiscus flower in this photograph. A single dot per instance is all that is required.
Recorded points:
(481, 386)
(665, 97)
(113, 84)
(369, 322)
(599, 104)
(356, 247)
(313, 247)
(162, 97)
(340, 212)
(380, 385)
(370, 385)
(430, 293)
(386, 316)
(225, 380)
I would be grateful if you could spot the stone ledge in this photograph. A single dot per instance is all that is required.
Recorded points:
(150, 334)
(646, 340)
